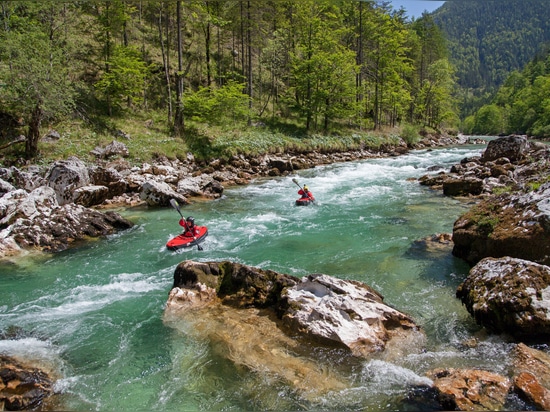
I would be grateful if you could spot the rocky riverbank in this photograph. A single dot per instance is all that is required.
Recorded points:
(55, 207)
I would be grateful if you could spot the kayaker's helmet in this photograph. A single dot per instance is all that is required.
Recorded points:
(190, 220)
(305, 188)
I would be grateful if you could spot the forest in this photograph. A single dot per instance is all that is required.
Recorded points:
(200, 69)
(520, 106)
(487, 40)
(313, 66)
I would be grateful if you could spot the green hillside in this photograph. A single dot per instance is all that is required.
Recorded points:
(489, 39)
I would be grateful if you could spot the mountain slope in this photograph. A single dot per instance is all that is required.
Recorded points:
(488, 39)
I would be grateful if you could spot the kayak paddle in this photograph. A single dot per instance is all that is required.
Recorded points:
(177, 207)
(307, 193)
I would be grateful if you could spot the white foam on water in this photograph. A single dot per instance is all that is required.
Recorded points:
(86, 298)
(28, 348)
(40, 353)
(387, 377)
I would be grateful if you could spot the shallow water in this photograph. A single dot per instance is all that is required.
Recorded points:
(94, 314)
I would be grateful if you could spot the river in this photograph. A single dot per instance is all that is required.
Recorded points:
(94, 313)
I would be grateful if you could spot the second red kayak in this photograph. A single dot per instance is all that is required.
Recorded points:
(180, 241)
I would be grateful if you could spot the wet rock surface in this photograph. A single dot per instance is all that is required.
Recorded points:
(511, 217)
(470, 389)
(510, 221)
(271, 321)
(23, 387)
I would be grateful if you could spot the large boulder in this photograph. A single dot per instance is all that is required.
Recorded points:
(110, 178)
(159, 194)
(201, 185)
(320, 307)
(510, 147)
(65, 176)
(235, 284)
(27, 180)
(114, 148)
(36, 220)
(277, 325)
(346, 312)
(91, 195)
(509, 296)
(516, 225)
(19, 204)
(462, 187)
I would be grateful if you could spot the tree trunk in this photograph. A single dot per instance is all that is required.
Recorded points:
(178, 120)
(249, 41)
(31, 145)
(165, 59)
(359, 59)
(207, 47)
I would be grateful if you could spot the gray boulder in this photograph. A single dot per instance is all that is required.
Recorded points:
(510, 147)
(322, 308)
(159, 194)
(65, 176)
(509, 295)
(347, 312)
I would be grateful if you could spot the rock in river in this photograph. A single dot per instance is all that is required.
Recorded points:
(272, 322)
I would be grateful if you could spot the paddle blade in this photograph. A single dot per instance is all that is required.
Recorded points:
(174, 204)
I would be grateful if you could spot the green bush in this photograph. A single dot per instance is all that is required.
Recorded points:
(410, 134)
(217, 105)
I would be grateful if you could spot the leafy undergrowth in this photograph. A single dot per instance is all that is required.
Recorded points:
(148, 136)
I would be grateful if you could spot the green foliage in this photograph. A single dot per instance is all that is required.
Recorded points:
(468, 124)
(325, 67)
(322, 68)
(488, 40)
(489, 121)
(522, 104)
(435, 104)
(501, 190)
(125, 78)
(208, 143)
(149, 139)
(34, 73)
(484, 217)
(217, 105)
(409, 134)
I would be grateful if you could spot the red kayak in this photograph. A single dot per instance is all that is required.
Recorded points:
(180, 241)
(304, 201)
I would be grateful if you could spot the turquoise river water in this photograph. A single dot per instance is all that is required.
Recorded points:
(94, 313)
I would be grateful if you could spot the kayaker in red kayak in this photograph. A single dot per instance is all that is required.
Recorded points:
(189, 226)
(305, 193)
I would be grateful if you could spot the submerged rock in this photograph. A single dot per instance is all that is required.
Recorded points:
(22, 387)
(272, 323)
